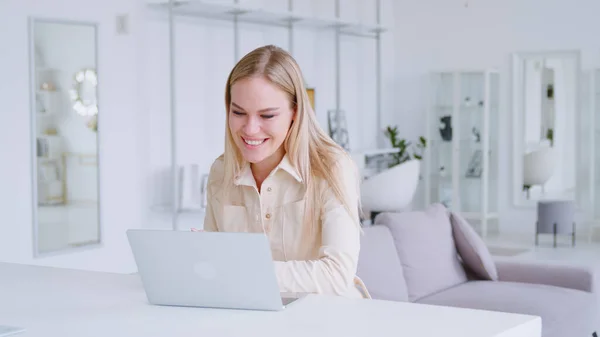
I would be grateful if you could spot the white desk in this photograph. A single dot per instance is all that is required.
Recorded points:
(57, 302)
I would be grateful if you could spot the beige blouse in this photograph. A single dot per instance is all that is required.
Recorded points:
(324, 262)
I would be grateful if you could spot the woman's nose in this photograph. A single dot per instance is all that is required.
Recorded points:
(252, 126)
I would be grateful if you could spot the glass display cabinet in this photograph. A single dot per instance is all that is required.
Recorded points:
(461, 160)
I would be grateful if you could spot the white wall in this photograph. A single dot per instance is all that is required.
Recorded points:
(120, 185)
(439, 34)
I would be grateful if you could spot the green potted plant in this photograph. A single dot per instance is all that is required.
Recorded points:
(407, 150)
(550, 136)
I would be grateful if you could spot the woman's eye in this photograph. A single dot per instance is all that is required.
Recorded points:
(237, 113)
(268, 116)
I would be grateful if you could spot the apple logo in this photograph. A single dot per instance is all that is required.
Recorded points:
(205, 270)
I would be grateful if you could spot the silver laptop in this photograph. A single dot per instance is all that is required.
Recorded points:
(207, 269)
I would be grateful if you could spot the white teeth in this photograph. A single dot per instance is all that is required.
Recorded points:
(254, 142)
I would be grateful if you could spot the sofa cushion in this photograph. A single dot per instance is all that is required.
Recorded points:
(379, 266)
(426, 249)
(564, 312)
(472, 250)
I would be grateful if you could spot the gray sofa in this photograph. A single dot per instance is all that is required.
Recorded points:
(434, 257)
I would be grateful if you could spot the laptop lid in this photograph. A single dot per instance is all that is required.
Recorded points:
(206, 269)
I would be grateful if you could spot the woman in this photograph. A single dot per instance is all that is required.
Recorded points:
(283, 176)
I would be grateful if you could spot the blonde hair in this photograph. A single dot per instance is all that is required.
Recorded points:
(310, 150)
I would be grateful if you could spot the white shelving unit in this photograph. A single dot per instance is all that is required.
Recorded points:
(461, 159)
(49, 146)
(255, 14)
(238, 12)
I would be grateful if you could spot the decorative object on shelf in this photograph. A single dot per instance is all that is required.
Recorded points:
(83, 93)
(48, 86)
(550, 136)
(550, 91)
(41, 147)
(311, 97)
(49, 147)
(404, 146)
(468, 101)
(50, 131)
(476, 135)
(92, 123)
(338, 129)
(475, 167)
(446, 128)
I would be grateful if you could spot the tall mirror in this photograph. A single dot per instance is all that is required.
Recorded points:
(64, 116)
(545, 117)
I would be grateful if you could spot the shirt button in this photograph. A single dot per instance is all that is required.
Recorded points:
(268, 216)
(269, 189)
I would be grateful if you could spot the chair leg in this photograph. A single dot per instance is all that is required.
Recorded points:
(573, 234)
(537, 230)
(555, 235)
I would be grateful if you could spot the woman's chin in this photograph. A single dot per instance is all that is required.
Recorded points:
(257, 154)
(254, 158)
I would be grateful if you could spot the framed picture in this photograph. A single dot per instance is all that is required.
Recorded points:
(311, 96)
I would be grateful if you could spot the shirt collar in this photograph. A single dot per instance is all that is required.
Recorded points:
(287, 166)
(245, 176)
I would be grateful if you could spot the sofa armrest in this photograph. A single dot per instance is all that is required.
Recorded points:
(573, 277)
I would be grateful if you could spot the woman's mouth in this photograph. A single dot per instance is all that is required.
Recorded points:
(254, 142)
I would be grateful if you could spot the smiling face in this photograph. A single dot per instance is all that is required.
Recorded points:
(260, 116)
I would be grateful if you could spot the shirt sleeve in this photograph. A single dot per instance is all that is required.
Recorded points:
(334, 271)
(210, 222)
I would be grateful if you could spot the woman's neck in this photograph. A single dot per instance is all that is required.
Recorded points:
(261, 170)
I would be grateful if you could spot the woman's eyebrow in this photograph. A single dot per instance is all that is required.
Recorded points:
(261, 110)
